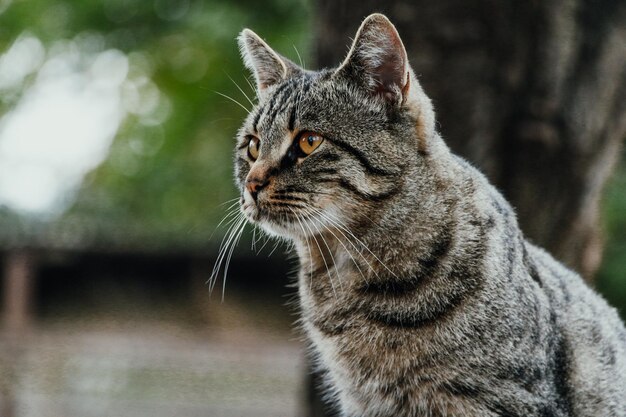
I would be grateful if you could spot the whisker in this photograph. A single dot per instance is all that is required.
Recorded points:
(233, 100)
(330, 252)
(258, 239)
(319, 212)
(230, 254)
(251, 86)
(238, 217)
(338, 223)
(330, 278)
(299, 57)
(231, 212)
(274, 248)
(226, 242)
(267, 239)
(344, 246)
(306, 240)
(228, 201)
(240, 89)
(228, 220)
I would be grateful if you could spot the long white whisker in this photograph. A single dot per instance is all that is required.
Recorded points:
(330, 278)
(251, 86)
(344, 246)
(242, 92)
(232, 212)
(306, 240)
(321, 214)
(237, 216)
(233, 100)
(337, 222)
(261, 235)
(299, 57)
(230, 254)
(330, 252)
(228, 238)
(274, 248)
(267, 239)
(230, 208)
(229, 201)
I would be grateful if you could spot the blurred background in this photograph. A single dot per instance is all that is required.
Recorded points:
(117, 120)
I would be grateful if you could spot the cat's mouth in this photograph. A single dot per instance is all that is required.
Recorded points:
(283, 217)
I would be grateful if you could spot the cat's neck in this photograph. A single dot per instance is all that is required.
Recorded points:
(429, 249)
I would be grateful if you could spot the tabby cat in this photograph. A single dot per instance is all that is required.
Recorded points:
(418, 292)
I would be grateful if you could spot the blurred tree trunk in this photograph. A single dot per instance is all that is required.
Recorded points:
(532, 92)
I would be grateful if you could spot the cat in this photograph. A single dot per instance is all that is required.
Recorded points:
(417, 291)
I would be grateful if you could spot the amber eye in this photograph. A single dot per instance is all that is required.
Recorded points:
(253, 148)
(309, 142)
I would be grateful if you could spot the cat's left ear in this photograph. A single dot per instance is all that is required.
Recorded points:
(268, 67)
(378, 60)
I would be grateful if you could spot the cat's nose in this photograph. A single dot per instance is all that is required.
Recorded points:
(254, 185)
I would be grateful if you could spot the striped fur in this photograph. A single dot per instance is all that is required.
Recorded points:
(418, 292)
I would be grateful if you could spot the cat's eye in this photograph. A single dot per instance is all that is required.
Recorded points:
(253, 148)
(309, 141)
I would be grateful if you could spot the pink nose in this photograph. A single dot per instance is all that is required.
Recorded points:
(254, 185)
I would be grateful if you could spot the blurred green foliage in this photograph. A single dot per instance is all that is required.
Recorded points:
(167, 172)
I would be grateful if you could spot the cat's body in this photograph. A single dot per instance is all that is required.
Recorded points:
(418, 292)
(479, 323)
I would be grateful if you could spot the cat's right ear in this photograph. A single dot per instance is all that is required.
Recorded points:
(268, 67)
(378, 61)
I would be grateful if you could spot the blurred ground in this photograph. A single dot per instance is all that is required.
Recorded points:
(148, 370)
(153, 355)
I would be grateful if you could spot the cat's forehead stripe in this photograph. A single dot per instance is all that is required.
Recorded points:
(292, 118)
(280, 93)
(289, 93)
(280, 105)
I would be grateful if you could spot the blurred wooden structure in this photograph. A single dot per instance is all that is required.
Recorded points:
(38, 281)
(18, 275)
(23, 269)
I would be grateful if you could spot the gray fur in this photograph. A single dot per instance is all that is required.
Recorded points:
(418, 292)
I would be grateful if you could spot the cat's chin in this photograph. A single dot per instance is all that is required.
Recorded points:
(275, 228)
(280, 231)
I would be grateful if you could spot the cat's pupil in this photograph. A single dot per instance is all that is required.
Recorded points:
(311, 139)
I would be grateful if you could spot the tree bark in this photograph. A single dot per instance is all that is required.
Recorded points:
(531, 92)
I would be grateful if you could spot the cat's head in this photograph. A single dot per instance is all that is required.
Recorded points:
(334, 146)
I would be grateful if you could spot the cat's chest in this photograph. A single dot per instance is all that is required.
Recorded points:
(378, 369)
(381, 373)
(364, 360)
